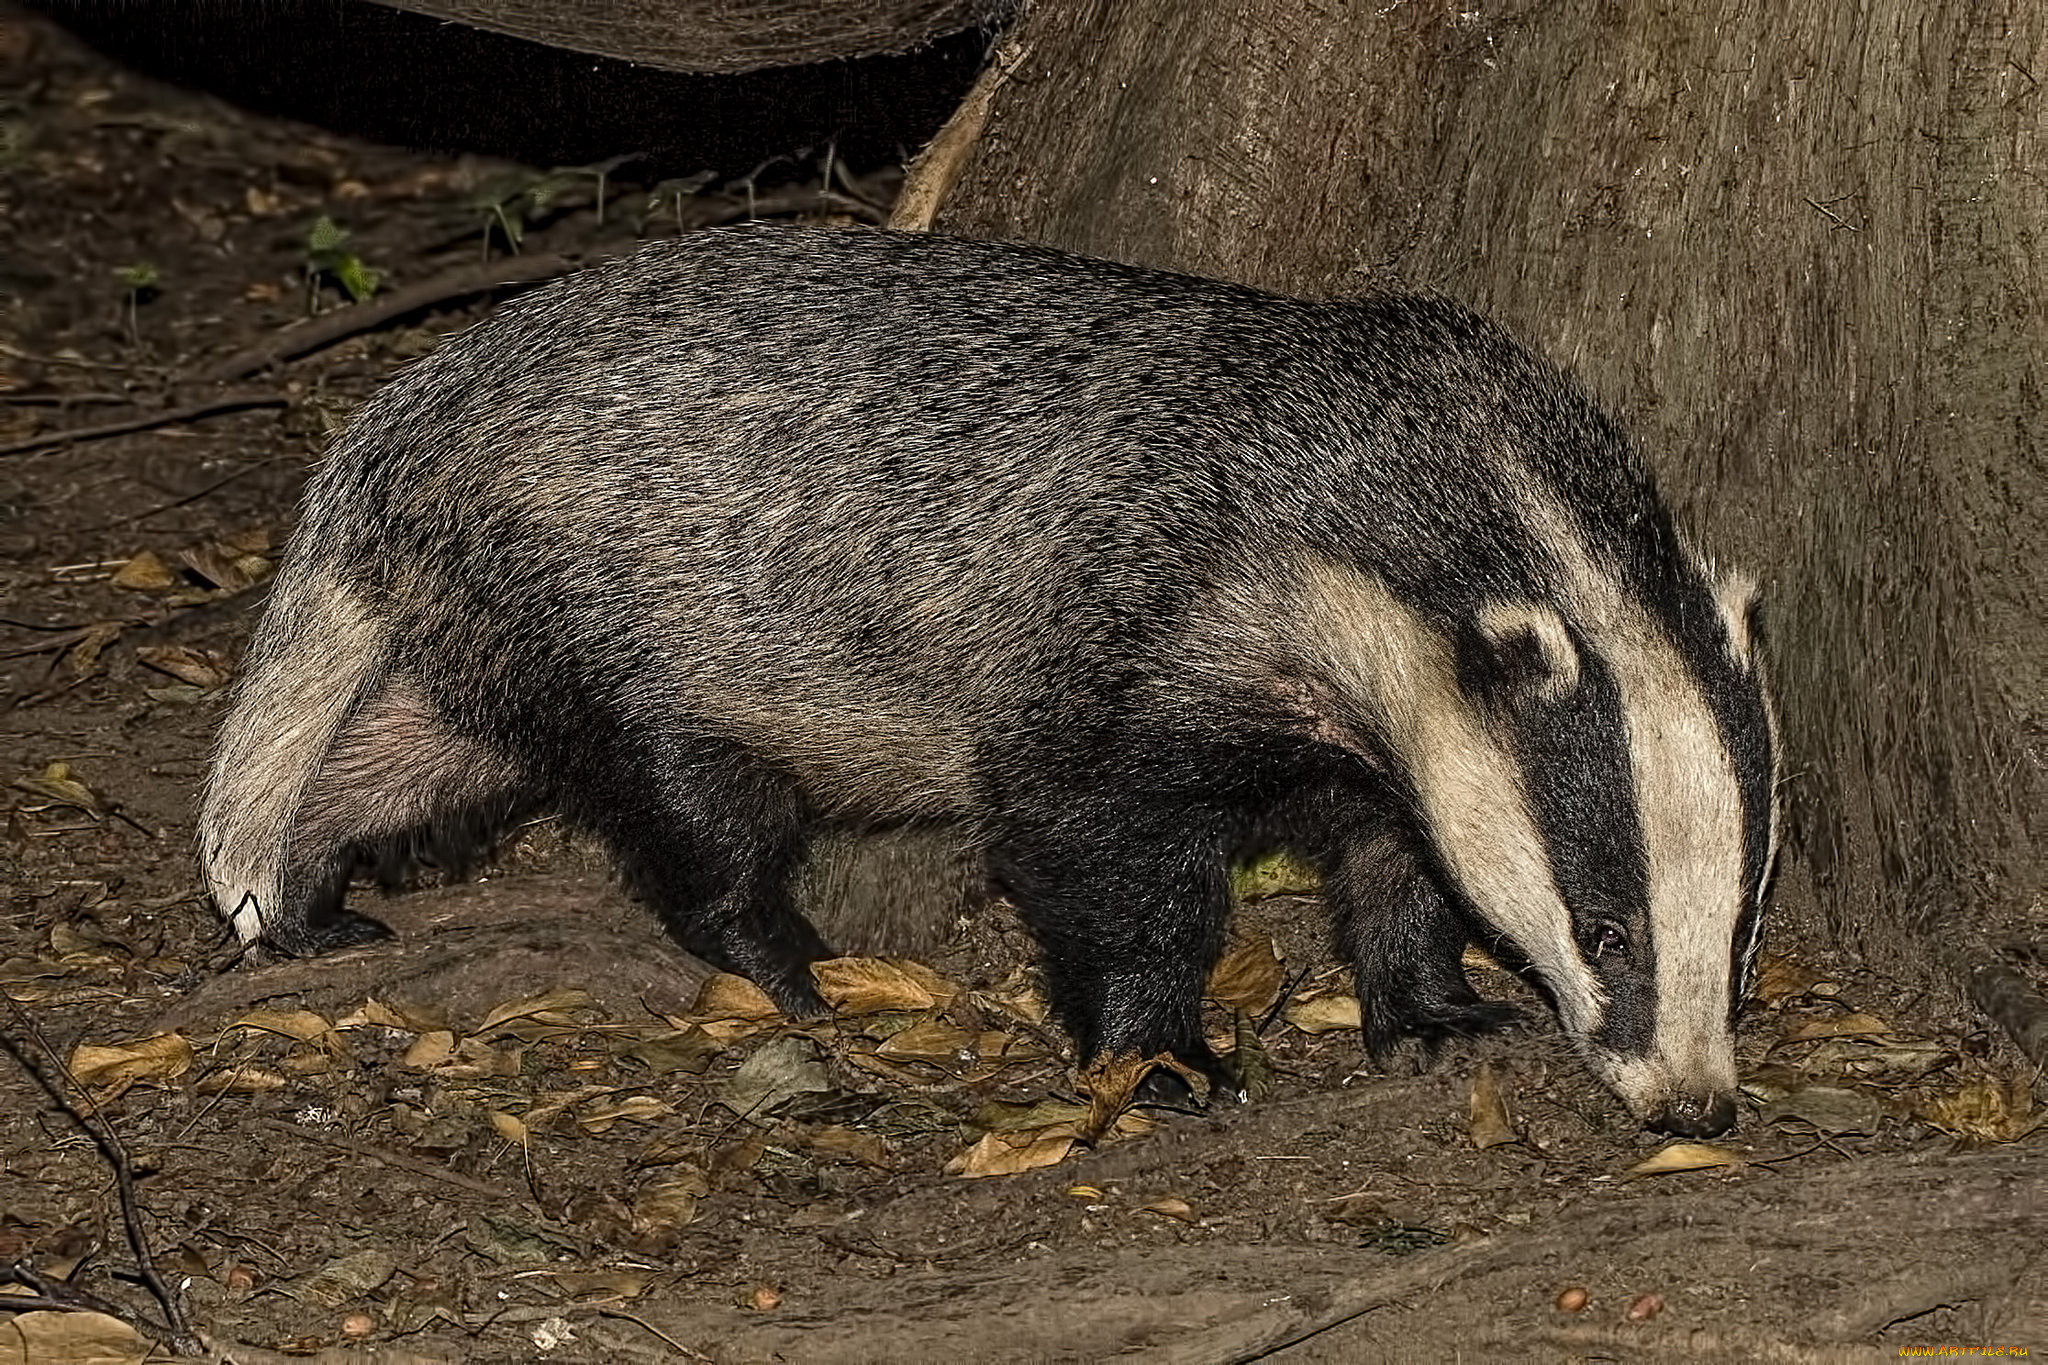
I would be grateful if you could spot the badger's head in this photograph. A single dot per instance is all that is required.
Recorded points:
(1642, 752)
(1592, 773)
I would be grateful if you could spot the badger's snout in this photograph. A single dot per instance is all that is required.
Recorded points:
(1693, 1116)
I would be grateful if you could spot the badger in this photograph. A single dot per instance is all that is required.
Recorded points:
(769, 533)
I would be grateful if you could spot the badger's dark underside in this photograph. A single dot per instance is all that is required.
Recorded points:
(1116, 847)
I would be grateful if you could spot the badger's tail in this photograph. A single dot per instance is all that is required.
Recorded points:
(316, 658)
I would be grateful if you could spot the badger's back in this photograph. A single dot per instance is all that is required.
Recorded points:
(870, 501)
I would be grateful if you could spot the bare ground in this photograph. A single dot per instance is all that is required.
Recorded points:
(517, 1132)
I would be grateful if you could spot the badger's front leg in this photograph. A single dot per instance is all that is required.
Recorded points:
(1128, 908)
(1406, 944)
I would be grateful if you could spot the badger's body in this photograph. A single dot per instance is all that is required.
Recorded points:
(1109, 572)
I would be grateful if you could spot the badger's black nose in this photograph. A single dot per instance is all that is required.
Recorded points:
(1694, 1116)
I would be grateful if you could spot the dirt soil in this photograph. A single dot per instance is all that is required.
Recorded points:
(527, 1129)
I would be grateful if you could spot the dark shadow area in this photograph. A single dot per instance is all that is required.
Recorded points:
(368, 71)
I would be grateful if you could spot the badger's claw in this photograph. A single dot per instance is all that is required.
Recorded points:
(1432, 1024)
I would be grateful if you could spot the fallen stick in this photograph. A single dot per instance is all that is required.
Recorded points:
(342, 323)
(227, 402)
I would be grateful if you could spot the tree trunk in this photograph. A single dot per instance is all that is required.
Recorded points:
(1798, 246)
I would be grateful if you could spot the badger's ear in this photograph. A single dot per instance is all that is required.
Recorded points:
(1735, 597)
(1515, 653)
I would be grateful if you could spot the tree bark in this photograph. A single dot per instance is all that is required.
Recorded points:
(1798, 244)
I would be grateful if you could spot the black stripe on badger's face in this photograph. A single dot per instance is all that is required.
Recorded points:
(1558, 706)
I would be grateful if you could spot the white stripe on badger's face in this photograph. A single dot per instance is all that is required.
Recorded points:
(1469, 785)
(1689, 806)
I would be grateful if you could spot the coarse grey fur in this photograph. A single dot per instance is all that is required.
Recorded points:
(1103, 573)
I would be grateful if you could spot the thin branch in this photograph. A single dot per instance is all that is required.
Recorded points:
(179, 1333)
(230, 402)
(400, 1160)
(325, 330)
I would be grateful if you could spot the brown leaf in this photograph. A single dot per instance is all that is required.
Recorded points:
(203, 668)
(1985, 1110)
(147, 572)
(1275, 874)
(932, 1040)
(84, 655)
(429, 1050)
(599, 1118)
(1490, 1125)
(1177, 1209)
(547, 1008)
(837, 1141)
(1248, 977)
(1324, 1013)
(72, 1338)
(508, 1126)
(58, 787)
(1675, 1157)
(300, 1025)
(1013, 1153)
(227, 568)
(1110, 1083)
(729, 1007)
(161, 1058)
(1779, 979)
(1848, 1025)
(870, 985)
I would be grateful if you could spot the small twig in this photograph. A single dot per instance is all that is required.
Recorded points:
(178, 1336)
(189, 498)
(323, 331)
(230, 402)
(609, 1312)
(400, 1160)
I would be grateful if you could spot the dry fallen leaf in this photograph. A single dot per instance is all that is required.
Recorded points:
(1490, 1125)
(207, 669)
(299, 1025)
(146, 572)
(834, 1140)
(1779, 979)
(1013, 1153)
(1848, 1025)
(932, 1040)
(1323, 1013)
(429, 1050)
(778, 1072)
(1686, 1156)
(546, 1008)
(730, 1007)
(871, 985)
(1176, 1209)
(226, 567)
(1111, 1083)
(56, 785)
(1248, 977)
(161, 1058)
(599, 1118)
(1985, 1110)
(509, 1126)
(72, 1338)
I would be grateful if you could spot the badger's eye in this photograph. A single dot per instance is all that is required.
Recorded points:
(1609, 940)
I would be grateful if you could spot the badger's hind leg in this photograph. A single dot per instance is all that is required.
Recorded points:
(713, 841)
(1406, 945)
(396, 771)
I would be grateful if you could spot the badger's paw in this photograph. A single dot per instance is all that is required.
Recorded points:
(1389, 1022)
(331, 933)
